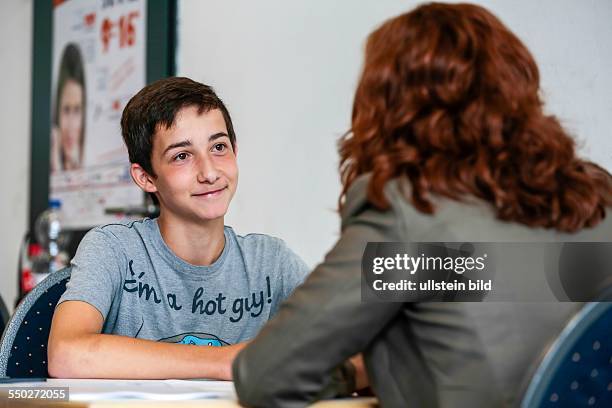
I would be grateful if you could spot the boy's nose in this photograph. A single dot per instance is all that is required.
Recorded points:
(207, 173)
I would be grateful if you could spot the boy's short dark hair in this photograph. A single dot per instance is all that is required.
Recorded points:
(157, 105)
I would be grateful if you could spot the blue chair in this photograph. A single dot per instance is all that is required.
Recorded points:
(576, 371)
(23, 350)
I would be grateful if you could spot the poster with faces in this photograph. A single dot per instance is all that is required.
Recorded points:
(98, 64)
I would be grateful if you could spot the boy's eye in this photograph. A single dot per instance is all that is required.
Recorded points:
(180, 157)
(219, 147)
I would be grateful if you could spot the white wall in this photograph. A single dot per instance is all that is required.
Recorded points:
(15, 77)
(287, 71)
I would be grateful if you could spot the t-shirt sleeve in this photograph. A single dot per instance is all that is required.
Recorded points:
(292, 270)
(96, 274)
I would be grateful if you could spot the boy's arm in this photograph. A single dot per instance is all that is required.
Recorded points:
(77, 349)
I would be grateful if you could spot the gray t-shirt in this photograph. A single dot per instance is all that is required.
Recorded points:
(143, 290)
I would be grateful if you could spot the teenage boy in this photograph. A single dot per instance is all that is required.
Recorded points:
(145, 296)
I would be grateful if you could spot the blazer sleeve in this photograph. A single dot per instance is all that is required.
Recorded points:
(298, 357)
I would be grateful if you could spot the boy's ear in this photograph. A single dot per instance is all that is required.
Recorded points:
(142, 178)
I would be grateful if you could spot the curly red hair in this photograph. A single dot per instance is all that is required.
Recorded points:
(448, 99)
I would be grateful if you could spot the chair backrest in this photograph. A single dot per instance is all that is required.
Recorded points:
(576, 371)
(23, 350)
(4, 315)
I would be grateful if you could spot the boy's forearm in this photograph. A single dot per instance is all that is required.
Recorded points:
(112, 356)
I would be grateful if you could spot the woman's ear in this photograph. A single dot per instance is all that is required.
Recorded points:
(143, 179)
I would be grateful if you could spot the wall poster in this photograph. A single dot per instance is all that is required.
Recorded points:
(98, 63)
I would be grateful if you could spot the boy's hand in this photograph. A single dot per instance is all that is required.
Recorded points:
(228, 354)
(361, 376)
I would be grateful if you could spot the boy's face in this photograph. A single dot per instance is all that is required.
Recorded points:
(195, 166)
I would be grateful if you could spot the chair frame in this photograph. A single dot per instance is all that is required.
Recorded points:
(8, 337)
(561, 346)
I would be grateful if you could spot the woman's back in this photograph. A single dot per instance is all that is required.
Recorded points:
(448, 100)
(499, 340)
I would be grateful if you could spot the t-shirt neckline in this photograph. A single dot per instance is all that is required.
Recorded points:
(179, 265)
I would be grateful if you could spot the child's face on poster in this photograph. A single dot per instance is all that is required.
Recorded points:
(71, 120)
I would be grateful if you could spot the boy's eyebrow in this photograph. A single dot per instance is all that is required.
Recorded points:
(217, 136)
(183, 143)
(186, 142)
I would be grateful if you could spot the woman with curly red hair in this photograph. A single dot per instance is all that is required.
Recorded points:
(449, 142)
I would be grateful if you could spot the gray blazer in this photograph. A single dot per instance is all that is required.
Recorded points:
(417, 354)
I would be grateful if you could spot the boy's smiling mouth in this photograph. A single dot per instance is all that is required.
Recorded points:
(211, 193)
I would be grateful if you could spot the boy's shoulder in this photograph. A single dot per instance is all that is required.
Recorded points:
(256, 241)
(122, 232)
(272, 257)
(254, 238)
(261, 246)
